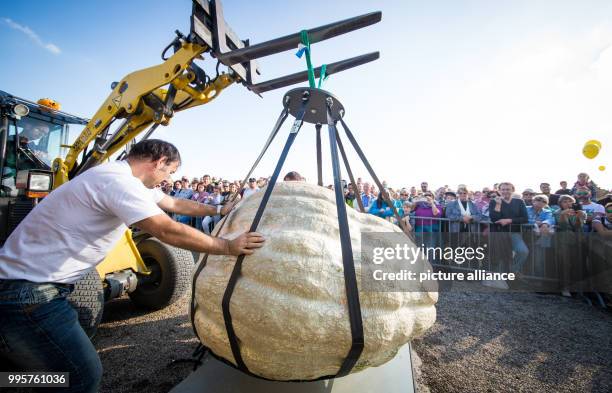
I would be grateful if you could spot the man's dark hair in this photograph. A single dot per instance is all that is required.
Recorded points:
(292, 176)
(153, 150)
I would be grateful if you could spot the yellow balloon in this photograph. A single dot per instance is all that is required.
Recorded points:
(594, 142)
(591, 149)
(602, 168)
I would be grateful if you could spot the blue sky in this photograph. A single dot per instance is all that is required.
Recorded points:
(471, 92)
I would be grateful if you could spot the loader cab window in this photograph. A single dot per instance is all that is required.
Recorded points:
(31, 144)
(41, 138)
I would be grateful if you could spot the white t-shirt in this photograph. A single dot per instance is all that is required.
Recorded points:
(249, 191)
(72, 229)
(594, 209)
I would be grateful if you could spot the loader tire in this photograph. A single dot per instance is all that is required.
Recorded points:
(170, 277)
(88, 301)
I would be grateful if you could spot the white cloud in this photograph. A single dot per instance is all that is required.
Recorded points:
(33, 36)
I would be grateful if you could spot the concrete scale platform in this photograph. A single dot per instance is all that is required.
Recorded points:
(215, 376)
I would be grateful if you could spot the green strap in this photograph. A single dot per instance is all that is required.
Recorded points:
(323, 76)
(306, 43)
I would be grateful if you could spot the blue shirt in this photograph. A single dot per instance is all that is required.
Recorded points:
(545, 216)
(367, 200)
(184, 193)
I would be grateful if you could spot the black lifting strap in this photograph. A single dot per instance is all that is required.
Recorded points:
(231, 285)
(350, 173)
(319, 157)
(350, 278)
(385, 195)
(281, 119)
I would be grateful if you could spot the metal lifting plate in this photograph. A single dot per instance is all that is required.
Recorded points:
(316, 111)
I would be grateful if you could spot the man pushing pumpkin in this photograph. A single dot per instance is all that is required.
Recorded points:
(50, 251)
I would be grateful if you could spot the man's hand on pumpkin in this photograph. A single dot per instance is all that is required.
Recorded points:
(245, 244)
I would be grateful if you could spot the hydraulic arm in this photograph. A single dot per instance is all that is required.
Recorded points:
(149, 97)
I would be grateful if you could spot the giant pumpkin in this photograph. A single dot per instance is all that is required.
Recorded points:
(289, 307)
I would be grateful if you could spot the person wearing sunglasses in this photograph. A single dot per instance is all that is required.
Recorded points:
(405, 200)
(540, 215)
(592, 209)
(603, 225)
(404, 195)
(585, 181)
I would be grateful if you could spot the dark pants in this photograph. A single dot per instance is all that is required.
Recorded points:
(40, 331)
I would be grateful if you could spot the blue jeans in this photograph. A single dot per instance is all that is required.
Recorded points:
(40, 331)
(521, 252)
(183, 219)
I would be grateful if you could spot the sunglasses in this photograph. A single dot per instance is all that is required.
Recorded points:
(582, 193)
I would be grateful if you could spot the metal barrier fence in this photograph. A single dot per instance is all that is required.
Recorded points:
(555, 261)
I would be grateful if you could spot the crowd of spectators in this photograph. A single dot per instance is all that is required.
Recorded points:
(211, 191)
(581, 208)
(567, 209)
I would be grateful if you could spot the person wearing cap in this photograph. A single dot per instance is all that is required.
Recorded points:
(449, 196)
(251, 189)
(528, 196)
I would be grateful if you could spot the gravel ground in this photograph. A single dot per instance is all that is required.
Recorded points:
(481, 342)
(516, 342)
(137, 348)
